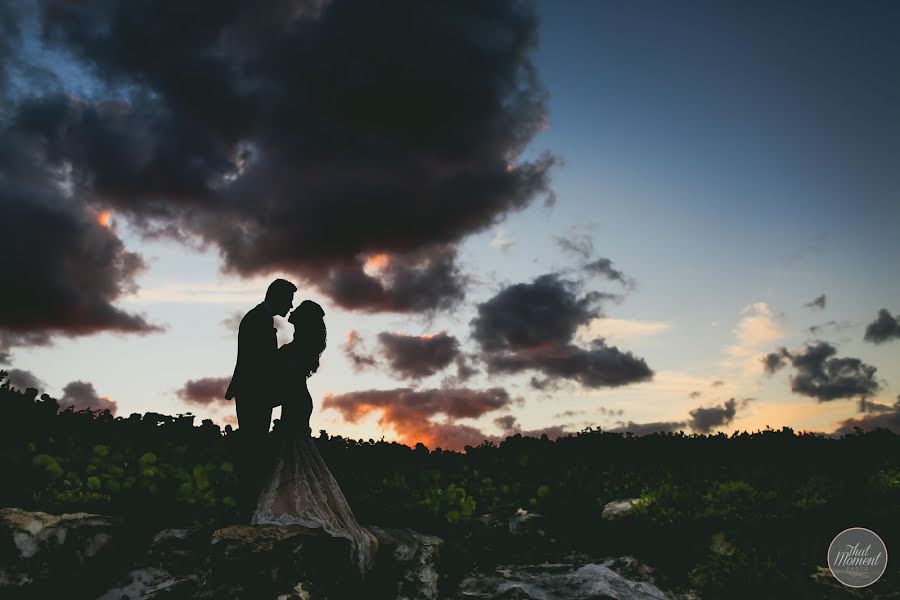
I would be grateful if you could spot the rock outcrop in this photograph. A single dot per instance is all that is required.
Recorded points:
(84, 555)
(37, 550)
(619, 508)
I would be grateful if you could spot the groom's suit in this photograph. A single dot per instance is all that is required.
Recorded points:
(254, 391)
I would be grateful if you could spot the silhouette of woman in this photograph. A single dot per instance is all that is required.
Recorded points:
(301, 489)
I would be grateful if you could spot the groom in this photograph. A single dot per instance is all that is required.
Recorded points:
(253, 387)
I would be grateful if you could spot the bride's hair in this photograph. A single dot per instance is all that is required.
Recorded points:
(310, 335)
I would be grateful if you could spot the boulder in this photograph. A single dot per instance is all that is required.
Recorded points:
(275, 561)
(41, 553)
(619, 508)
(152, 582)
(180, 550)
(557, 581)
(407, 563)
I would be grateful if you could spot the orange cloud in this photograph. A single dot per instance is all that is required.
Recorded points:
(104, 218)
(408, 412)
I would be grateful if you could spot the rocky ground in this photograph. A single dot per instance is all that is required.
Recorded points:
(81, 555)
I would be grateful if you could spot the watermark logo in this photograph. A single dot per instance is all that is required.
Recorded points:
(857, 557)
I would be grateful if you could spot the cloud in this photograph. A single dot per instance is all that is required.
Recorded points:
(577, 244)
(704, 420)
(717, 383)
(409, 411)
(501, 242)
(600, 366)
(69, 268)
(354, 350)
(419, 281)
(886, 417)
(418, 356)
(821, 375)
(695, 394)
(834, 325)
(530, 326)
(232, 322)
(884, 328)
(648, 428)
(603, 267)
(867, 406)
(818, 303)
(506, 422)
(22, 379)
(774, 361)
(754, 331)
(620, 329)
(81, 395)
(207, 390)
(510, 427)
(529, 315)
(317, 136)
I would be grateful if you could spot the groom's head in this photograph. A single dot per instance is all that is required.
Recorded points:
(280, 296)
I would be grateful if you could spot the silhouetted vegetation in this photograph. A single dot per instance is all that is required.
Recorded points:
(742, 515)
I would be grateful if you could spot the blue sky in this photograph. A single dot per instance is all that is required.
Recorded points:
(734, 162)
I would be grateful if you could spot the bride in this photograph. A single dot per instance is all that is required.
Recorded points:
(301, 489)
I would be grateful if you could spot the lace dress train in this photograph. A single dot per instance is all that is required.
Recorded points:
(302, 491)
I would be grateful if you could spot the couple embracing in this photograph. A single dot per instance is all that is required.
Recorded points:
(291, 486)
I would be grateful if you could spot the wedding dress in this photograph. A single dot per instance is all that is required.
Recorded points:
(302, 491)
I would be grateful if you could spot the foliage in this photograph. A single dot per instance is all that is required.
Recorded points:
(167, 472)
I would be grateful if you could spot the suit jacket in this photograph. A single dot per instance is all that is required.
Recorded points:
(255, 368)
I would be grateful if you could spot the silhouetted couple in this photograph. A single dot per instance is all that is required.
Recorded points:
(291, 485)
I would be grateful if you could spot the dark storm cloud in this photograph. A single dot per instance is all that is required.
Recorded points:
(307, 137)
(408, 412)
(205, 390)
(603, 267)
(648, 428)
(528, 315)
(600, 366)
(774, 361)
(885, 327)
(81, 395)
(22, 379)
(419, 281)
(821, 375)
(818, 303)
(418, 356)
(704, 420)
(64, 269)
(530, 326)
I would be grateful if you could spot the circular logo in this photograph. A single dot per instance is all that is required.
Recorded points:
(857, 557)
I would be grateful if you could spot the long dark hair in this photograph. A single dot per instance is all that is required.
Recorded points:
(310, 335)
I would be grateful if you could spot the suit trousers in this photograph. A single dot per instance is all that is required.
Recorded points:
(253, 461)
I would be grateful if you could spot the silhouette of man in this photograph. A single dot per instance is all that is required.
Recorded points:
(253, 387)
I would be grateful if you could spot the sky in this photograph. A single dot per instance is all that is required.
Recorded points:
(519, 217)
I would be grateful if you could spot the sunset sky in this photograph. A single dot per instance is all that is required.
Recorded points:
(518, 217)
